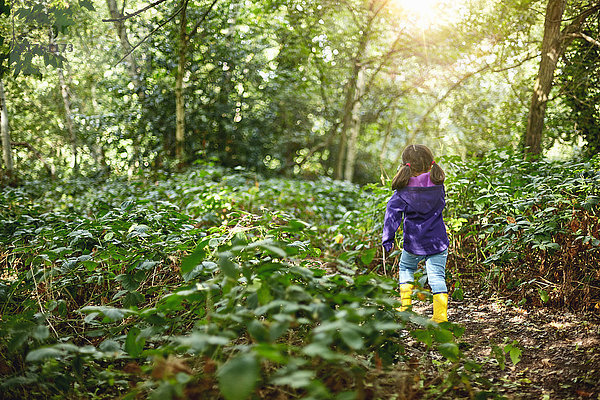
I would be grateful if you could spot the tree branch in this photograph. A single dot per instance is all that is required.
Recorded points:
(581, 35)
(195, 28)
(127, 16)
(36, 153)
(148, 35)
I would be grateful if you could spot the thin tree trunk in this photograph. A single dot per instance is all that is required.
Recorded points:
(388, 136)
(68, 118)
(354, 128)
(348, 104)
(6, 144)
(179, 100)
(551, 50)
(125, 45)
(96, 145)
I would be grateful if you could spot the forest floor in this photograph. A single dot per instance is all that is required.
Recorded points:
(560, 350)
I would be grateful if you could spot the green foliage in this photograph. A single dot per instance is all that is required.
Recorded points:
(272, 283)
(103, 279)
(579, 79)
(527, 224)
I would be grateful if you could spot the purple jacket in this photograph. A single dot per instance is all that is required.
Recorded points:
(421, 204)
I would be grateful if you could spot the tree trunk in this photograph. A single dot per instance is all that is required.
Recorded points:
(179, 100)
(6, 146)
(388, 136)
(96, 143)
(68, 118)
(348, 104)
(551, 50)
(354, 128)
(125, 45)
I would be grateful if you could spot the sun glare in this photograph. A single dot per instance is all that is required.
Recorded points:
(426, 12)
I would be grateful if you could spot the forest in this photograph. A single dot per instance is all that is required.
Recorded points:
(193, 195)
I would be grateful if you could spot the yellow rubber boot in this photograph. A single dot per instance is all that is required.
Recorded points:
(440, 307)
(405, 296)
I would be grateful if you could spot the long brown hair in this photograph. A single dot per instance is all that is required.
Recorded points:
(417, 159)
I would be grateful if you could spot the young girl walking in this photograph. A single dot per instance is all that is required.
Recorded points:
(418, 199)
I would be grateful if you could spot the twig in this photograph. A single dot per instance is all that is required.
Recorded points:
(383, 258)
(37, 295)
(195, 28)
(148, 35)
(127, 16)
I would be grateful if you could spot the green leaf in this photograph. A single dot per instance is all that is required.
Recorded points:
(423, 336)
(351, 336)
(112, 313)
(229, 268)
(543, 295)
(133, 299)
(43, 353)
(127, 281)
(449, 350)
(258, 331)
(197, 256)
(296, 379)
(443, 336)
(238, 377)
(296, 226)
(264, 294)
(87, 4)
(270, 351)
(41, 332)
(499, 355)
(199, 342)
(514, 352)
(134, 343)
(368, 256)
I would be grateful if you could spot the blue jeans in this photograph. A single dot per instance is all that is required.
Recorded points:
(435, 265)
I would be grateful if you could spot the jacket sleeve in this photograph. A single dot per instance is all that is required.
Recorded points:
(392, 220)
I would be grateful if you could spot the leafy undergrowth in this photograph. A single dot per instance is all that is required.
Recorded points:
(199, 286)
(221, 284)
(528, 229)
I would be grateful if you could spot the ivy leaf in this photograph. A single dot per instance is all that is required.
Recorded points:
(238, 377)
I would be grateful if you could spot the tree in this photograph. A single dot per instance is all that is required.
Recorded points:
(554, 43)
(118, 20)
(6, 142)
(579, 80)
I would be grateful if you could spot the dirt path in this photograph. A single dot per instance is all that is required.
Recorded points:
(560, 350)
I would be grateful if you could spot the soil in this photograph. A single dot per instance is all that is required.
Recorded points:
(560, 350)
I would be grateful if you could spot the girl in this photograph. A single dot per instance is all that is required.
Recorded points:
(419, 198)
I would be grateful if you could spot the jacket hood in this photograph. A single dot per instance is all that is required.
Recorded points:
(423, 200)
